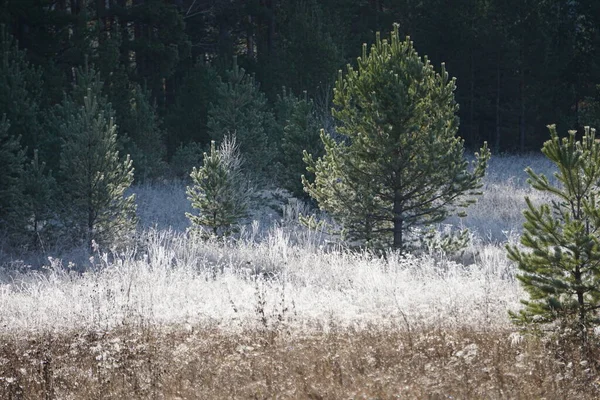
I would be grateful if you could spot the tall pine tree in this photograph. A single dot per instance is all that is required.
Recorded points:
(398, 164)
(94, 178)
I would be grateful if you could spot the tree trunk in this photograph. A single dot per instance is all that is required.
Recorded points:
(224, 39)
(75, 7)
(100, 9)
(522, 113)
(581, 304)
(271, 26)
(90, 224)
(398, 221)
(138, 35)
(473, 139)
(250, 38)
(497, 138)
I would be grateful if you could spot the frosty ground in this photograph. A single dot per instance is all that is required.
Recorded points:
(282, 312)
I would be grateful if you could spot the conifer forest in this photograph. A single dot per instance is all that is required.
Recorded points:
(299, 199)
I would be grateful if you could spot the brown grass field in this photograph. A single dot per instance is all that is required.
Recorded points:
(370, 364)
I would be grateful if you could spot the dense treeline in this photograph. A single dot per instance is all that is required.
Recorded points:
(519, 64)
(158, 80)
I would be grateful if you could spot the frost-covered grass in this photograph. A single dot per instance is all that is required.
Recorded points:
(283, 313)
(278, 274)
(263, 284)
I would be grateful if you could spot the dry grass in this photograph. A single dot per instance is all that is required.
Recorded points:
(279, 315)
(203, 364)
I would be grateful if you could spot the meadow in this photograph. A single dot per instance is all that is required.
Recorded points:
(283, 312)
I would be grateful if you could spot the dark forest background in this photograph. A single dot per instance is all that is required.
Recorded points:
(519, 64)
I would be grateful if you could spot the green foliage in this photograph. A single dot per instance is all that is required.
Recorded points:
(93, 177)
(20, 92)
(185, 158)
(140, 130)
(398, 163)
(12, 160)
(590, 111)
(159, 47)
(39, 189)
(187, 118)
(284, 107)
(141, 126)
(300, 133)
(561, 270)
(308, 52)
(220, 192)
(240, 109)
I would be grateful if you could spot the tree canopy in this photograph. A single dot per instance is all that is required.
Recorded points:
(396, 162)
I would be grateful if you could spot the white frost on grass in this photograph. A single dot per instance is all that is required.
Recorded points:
(251, 285)
(281, 278)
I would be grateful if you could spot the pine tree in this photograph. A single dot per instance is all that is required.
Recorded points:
(308, 49)
(12, 160)
(94, 178)
(20, 93)
(300, 133)
(141, 125)
(284, 106)
(187, 118)
(241, 110)
(221, 193)
(589, 115)
(561, 272)
(140, 131)
(398, 163)
(39, 201)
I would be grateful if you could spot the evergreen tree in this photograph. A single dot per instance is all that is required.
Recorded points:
(307, 52)
(284, 107)
(561, 272)
(39, 201)
(589, 114)
(187, 118)
(20, 93)
(241, 109)
(12, 160)
(398, 163)
(300, 133)
(158, 42)
(140, 131)
(141, 126)
(220, 192)
(93, 177)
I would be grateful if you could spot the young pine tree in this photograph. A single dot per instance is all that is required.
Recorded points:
(398, 164)
(94, 178)
(561, 272)
(220, 192)
(241, 109)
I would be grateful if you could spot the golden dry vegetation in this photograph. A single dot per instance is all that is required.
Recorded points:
(210, 364)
